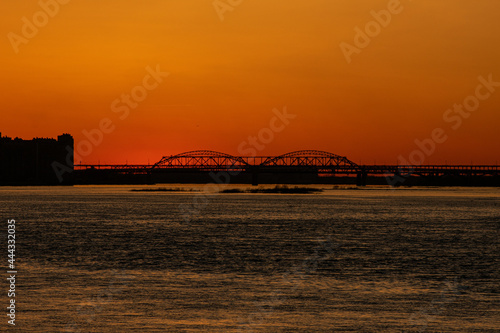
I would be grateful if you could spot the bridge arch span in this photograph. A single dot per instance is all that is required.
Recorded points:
(316, 158)
(200, 159)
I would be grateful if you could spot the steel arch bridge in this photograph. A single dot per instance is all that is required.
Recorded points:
(315, 158)
(201, 160)
(212, 160)
(292, 164)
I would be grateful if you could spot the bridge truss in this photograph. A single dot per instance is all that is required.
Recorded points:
(304, 161)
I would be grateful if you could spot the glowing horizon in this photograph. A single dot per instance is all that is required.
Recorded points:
(226, 78)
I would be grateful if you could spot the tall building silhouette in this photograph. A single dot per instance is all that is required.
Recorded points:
(37, 161)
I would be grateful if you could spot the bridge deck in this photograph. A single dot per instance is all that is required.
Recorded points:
(303, 161)
(427, 170)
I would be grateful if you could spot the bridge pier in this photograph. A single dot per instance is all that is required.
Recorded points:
(399, 178)
(255, 177)
(361, 178)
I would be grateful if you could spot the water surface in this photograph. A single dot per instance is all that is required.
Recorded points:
(105, 259)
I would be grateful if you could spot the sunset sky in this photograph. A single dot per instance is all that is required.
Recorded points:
(226, 76)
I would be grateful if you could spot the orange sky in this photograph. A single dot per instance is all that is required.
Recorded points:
(227, 76)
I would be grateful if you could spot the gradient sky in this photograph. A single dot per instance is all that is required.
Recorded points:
(227, 76)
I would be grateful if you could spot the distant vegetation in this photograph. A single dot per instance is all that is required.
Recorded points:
(345, 187)
(164, 189)
(232, 190)
(283, 189)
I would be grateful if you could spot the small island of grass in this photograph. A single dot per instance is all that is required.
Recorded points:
(163, 189)
(280, 189)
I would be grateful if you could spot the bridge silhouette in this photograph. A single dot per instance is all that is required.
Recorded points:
(317, 164)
